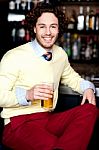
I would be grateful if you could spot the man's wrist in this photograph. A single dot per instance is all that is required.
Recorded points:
(21, 96)
(87, 85)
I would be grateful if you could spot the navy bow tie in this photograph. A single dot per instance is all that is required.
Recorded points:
(47, 56)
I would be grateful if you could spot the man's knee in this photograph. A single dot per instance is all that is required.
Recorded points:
(90, 109)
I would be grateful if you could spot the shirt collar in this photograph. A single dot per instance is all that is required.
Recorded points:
(39, 50)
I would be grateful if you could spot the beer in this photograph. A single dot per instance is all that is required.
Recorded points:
(48, 103)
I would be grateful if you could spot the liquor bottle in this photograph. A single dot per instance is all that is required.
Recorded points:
(29, 4)
(87, 18)
(92, 20)
(80, 19)
(72, 21)
(94, 55)
(68, 41)
(83, 48)
(18, 5)
(23, 6)
(91, 43)
(79, 46)
(75, 48)
(11, 6)
(97, 20)
(13, 32)
(87, 52)
(21, 33)
(95, 49)
(27, 36)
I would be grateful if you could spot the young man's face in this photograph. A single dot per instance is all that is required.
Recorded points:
(46, 30)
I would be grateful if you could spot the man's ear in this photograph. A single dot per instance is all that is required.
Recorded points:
(34, 30)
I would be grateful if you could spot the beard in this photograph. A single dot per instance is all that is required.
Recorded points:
(45, 44)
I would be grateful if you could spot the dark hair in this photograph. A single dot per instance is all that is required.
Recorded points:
(35, 13)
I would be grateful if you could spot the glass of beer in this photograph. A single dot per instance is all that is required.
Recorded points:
(48, 103)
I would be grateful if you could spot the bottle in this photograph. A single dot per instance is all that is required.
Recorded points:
(80, 19)
(75, 48)
(11, 6)
(83, 48)
(27, 36)
(94, 55)
(87, 52)
(87, 18)
(18, 3)
(91, 43)
(21, 33)
(72, 21)
(29, 4)
(97, 20)
(13, 32)
(92, 20)
(68, 50)
(23, 6)
(79, 46)
(95, 49)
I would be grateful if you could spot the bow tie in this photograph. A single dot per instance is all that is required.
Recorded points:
(47, 56)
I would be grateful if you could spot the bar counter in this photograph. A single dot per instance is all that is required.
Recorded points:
(67, 90)
(67, 98)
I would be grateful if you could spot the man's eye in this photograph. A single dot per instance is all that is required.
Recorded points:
(41, 26)
(53, 26)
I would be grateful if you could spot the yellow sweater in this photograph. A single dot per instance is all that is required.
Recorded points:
(21, 67)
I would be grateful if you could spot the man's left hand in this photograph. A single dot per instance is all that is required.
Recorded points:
(89, 96)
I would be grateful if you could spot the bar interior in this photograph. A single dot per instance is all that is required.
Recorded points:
(80, 41)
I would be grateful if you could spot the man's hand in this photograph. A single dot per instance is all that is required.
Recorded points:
(40, 91)
(90, 96)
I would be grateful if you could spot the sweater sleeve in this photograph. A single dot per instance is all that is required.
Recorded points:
(71, 78)
(8, 75)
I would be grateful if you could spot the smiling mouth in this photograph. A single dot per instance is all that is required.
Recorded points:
(48, 39)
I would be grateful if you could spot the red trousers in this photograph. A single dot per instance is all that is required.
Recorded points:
(68, 130)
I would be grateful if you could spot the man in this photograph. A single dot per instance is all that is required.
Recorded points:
(23, 73)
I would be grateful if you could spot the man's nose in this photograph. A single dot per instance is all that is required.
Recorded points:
(48, 31)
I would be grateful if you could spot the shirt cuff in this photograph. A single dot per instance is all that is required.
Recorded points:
(84, 85)
(21, 94)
